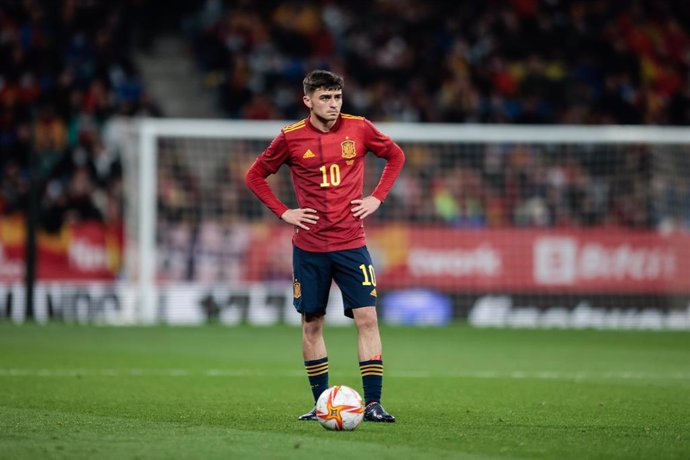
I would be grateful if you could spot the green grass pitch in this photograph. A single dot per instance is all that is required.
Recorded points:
(85, 392)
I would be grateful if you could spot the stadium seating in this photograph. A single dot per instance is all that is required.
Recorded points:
(65, 69)
(518, 61)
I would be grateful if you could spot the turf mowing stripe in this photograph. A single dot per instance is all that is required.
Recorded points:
(516, 375)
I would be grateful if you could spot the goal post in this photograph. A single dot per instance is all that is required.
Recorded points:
(539, 226)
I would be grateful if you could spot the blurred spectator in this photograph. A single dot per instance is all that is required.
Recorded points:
(15, 189)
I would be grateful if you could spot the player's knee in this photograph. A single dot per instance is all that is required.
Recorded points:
(365, 319)
(311, 330)
(312, 327)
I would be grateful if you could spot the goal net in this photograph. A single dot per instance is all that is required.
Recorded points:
(500, 225)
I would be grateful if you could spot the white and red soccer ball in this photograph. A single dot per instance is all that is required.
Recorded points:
(340, 408)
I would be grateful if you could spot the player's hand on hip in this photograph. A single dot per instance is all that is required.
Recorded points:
(365, 206)
(300, 217)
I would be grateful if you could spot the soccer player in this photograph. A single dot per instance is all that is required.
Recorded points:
(325, 153)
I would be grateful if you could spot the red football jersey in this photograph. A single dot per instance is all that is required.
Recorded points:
(327, 173)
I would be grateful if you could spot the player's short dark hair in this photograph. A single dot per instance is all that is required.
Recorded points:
(321, 79)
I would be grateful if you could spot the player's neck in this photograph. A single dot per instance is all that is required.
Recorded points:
(321, 124)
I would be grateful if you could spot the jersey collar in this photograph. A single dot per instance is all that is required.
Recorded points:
(335, 127)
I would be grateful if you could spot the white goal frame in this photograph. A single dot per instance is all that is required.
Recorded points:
(149, 130)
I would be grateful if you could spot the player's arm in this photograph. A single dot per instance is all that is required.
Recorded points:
(266, 164)
(383, 147)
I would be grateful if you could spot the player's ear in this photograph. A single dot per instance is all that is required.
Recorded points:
(307, 101)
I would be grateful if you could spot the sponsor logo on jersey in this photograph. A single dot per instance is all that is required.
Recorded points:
(348, 149)
(373, 293)
(308, 154)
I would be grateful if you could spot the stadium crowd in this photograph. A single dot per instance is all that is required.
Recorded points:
(497, 61)
(67, 68)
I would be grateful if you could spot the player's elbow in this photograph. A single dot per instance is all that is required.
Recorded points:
(400, 156)
(252, 176)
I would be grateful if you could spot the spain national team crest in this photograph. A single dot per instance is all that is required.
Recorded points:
(348, 148)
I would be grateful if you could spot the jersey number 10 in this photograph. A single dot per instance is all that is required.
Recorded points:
(332, 173)
(369, 278)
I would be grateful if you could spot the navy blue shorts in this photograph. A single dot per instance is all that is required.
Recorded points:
(313, 273)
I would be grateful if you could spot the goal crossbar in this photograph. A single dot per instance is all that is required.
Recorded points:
(431, 132)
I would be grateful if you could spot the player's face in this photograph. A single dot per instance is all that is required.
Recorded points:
(325, 103)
